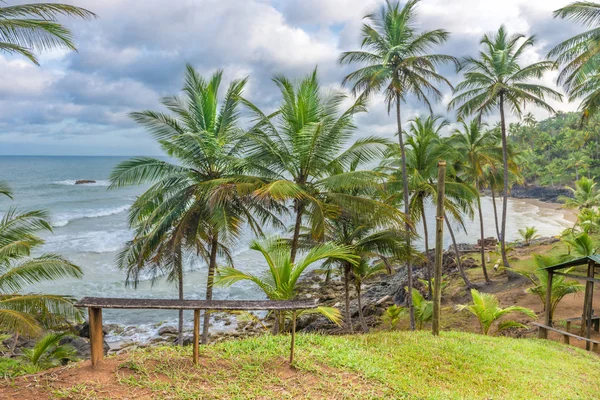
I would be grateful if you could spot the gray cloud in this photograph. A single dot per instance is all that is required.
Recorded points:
(77, 103)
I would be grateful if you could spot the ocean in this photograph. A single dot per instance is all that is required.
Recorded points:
(90, 226)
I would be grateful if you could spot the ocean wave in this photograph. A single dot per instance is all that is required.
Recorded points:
(71, 182)
(63, 219)
(107, 241)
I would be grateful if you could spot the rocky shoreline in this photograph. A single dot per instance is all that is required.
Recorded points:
(547, 194)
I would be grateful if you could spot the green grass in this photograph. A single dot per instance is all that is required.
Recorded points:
(378, 365)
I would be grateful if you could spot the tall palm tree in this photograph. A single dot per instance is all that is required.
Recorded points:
(424, 148)
(279, 283)
(479, 148)
(496, 80)
(27, 29)
(579, 56)
(304, 151)
(396, 62)
(26, 314)
(204, 197)
(372, 241)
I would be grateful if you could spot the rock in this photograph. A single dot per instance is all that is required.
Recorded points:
(83, 330)
(488, 242)
(82, 346)
(84, 181)
(543, 193)
(168, 330)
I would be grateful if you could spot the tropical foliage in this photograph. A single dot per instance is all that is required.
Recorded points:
(487, 309)
(283, 273)
(528, 234)
(28, 314)
(27, 29)
(560, 286)
(49, 352)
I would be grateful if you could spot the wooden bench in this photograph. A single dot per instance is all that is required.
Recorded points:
(96, 304)
(595, 321)
(568, 335)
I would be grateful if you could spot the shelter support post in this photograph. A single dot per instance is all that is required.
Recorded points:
(542, 332)
(96, 335)
(196, 335)
(293, 337)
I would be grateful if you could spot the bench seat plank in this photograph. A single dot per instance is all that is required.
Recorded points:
(565, 333)
(174, 304)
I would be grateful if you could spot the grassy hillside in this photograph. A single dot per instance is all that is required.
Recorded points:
(378, 365)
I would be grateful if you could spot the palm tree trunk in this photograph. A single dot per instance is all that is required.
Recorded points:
(363, 324)
(495, 211)
(468, 283)
(179, 267)
(347, 296)
(298, 224)
(482, 250)
(427, 263)
(505, 188)
(212, 266)
(409, 274)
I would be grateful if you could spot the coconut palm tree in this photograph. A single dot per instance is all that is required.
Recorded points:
(279, 282)
(487, 309)
(478, 149)
(579, 56)
(27, 29)
(496, 80)
(304, 152)
(528, 234)
(27, 314)
(425, 147)
(206, 196)
(395, 61)
(585, 195)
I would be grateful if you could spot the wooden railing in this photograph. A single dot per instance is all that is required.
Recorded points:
(96, 304)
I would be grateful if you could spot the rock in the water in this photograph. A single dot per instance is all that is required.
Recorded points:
(84, 181)
(168, 330)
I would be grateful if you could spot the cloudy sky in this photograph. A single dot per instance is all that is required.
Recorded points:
(135, 52)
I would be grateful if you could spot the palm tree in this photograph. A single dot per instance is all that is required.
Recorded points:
(203, 200)
(48, 352)
(395, 62)
(423, 308)
(362, 271)
(487, 310)
(585, 195)
(529, 120)
(560, 286)
(303, 150)
(580, 245)
(496, 80)
(528, 234)
(27, 314)
(26, 29)
(279, 282)
(478, 149)
(424, 148)
(579, 55)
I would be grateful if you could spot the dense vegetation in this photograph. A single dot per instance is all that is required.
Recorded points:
(559, 150)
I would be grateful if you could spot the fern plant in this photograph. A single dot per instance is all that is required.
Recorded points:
(487, 309)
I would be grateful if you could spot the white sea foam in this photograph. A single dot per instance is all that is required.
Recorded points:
(71, 182)
(62, 219)
(90, 241)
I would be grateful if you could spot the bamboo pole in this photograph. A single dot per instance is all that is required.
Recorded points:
(439, 248)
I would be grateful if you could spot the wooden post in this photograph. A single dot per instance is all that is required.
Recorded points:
(439, 247)
(196, 335)
(293, 337)
(589, 304)
(96, 335)
(587, 299)
(542, 332)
